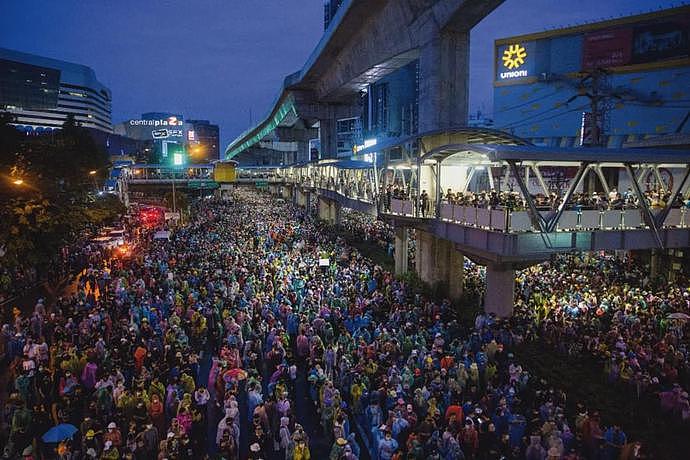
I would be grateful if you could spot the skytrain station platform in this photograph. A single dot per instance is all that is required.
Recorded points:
(506, 205)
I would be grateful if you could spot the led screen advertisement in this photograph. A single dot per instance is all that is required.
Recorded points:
(641, 43)
(607, 48)
(661, 41)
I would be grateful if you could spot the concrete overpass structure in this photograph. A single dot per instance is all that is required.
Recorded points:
(370, 40)
(367, 40)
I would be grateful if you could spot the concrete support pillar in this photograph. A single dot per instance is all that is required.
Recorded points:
(425, 263)
(335, 213)
(329, 211)
(302, 153)
(444, 80)
(324, 209)
(456, 274)
(303, 198)
(438, 264)
(401, 250)
(327, 138)
(654, 263)
(500, 291)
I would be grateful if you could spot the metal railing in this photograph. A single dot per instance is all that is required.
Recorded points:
(505, 220)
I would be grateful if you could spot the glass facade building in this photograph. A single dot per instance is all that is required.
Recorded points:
(207, 137)
(164, 132)
(389, 110)
(41, 93)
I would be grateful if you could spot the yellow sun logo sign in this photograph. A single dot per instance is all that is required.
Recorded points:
(514, 56)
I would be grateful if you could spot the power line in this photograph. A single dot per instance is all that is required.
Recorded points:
(528, 102)
(531, 119)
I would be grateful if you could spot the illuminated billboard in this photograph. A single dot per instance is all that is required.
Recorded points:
(641, 43)
(159, 128)
(514, 61)
(170, 127)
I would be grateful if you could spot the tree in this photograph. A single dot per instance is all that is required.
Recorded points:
(45, 188)
(181, 201)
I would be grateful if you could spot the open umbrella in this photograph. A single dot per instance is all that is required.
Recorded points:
(678, 315)
(234, 374)
(59, 433)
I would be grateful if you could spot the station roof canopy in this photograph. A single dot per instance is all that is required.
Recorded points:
(168, 166)
(473, 136)
(347, 164)
(456, 154)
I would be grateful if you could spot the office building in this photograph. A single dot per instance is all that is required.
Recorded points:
(41, 93)
(207, 139)
(168, 133)
(622, 82)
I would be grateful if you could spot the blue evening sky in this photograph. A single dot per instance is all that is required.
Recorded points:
(221, 59)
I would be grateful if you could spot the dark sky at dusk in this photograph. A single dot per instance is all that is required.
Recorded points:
(217, 59)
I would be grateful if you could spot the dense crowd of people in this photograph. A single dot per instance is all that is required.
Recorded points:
(365, 228)
(611, 309)
(20, 279)
(256, 332)
(514, 201)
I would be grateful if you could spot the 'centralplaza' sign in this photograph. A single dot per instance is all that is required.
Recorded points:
(164, 128)
(172, 121)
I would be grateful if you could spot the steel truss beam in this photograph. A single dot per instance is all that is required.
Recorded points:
(661, 217)
(536, 218)
(540, 178)
(581, 171)
(646, 212)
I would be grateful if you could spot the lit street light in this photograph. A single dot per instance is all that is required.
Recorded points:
(92, 173)
(18, 181)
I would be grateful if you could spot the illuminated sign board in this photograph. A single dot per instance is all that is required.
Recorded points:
(157, 128)
(172, 121)
(178, 159)
(514, 56)
(367, 143)
(514, 60)
(165, 133)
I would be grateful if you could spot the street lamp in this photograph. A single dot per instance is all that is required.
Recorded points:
(18, 181)
(178, 162)
(92, 174)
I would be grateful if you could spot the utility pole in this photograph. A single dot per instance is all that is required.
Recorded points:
(594, 86)
(173, 191)
(595, 99)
